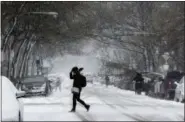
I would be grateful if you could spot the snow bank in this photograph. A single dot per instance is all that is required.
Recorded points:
(10, 106)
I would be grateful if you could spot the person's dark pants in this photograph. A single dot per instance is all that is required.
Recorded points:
(76, 97)
(138, 88)
(171, 94)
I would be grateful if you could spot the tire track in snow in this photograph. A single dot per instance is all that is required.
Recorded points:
(106, 95)
(123, 113)
(126, 100)
(81, 117)
(115, 108)
(84, 117)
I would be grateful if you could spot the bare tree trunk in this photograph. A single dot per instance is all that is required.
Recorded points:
(17, 58)
(28, 57)
(22, 55)
(9, 51)
(8, 62)
(25, 69)
(149, 60)
(33, 64)
(153, 59)
(145, 60)
(8, 35)
(20, 64)
(17, 54)
(6, 38)
(24, 58)
(26, 64)
(41, 68)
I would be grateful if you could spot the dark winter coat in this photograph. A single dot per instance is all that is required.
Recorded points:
(107, 80)
(139, 81)
(76, 78)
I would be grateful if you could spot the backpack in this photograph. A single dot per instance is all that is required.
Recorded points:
(83, 81)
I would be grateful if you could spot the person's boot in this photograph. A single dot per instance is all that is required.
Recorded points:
(88, 107)
(72, 110)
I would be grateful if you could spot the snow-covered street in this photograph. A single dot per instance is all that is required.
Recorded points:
(107, 104)
(92, 61)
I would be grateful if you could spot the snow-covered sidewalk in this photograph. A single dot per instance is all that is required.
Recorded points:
(107, 104)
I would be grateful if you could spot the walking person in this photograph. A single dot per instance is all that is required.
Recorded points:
(107, 80)
(78, 83)
(138, 83)
(162, 87)
(58, 84)
(157, 88)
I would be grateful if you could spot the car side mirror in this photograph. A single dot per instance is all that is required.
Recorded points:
(20, 94)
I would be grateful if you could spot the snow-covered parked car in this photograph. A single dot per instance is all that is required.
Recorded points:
(59, 80)
(179, 91)
(35, 86)
(12, 108)
(53, 77)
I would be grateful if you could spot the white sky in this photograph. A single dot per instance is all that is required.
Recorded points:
(65, 64)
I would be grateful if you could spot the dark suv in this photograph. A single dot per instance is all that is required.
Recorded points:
(170, 86)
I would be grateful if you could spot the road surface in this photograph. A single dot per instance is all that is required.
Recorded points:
(107, 104)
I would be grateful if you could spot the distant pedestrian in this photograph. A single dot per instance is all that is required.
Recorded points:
(58, 84)
(107, 80)
(78, 83)
(138, 83)
(157, 88)
(162, 89)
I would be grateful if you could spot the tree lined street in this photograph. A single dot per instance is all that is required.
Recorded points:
(131, 55)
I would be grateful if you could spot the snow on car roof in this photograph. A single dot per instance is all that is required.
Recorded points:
(34, 79)
(152, 74)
